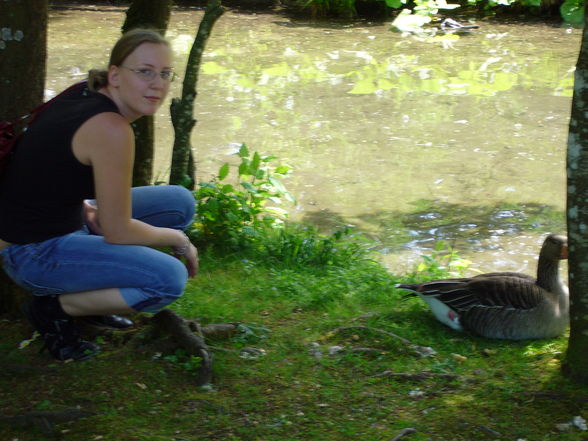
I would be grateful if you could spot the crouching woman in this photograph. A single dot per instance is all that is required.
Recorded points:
(72, 230)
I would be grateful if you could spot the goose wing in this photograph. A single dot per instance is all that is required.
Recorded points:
(512, 292)
(507, 274)
(493, 290)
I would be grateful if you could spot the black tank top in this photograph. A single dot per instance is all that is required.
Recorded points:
(43, 188)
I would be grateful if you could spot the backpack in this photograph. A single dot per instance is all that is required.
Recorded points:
(11, 131)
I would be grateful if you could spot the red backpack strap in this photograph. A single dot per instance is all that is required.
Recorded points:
(46, 104)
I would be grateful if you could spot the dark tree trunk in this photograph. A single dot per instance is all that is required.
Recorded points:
(151, 14)
(183, 170)
(23, 51)
(576, 362)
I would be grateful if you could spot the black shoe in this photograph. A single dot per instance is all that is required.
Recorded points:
(108, 321)
(58, 330)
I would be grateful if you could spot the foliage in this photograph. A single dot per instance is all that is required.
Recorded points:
(444, 261)
(572, 11)
(233, 215)
(190, 364)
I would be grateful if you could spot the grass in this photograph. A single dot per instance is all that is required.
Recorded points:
(297, 390)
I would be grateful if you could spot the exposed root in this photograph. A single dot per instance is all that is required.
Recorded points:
(423, 351)
(168, 322)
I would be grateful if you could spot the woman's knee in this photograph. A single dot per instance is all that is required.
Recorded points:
(170, 206)
(185, 203)
(167, 285)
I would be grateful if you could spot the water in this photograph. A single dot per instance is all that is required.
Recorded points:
(410, 139)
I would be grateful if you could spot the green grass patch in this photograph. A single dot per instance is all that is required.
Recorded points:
(303, 388)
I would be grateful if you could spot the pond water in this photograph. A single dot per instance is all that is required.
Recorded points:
(411, 139)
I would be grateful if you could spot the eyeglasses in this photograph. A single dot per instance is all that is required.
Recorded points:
(149, 74)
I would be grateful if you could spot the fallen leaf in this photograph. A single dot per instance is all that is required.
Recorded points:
(459, 358)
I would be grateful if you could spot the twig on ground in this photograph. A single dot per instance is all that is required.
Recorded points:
(423, 351)
(418, 376)
(403, 433)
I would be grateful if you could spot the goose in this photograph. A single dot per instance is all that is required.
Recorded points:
(504, 305)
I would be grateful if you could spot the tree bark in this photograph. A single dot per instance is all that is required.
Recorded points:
(23, 51)
(151, 14)
(183, 170)
(575, 364)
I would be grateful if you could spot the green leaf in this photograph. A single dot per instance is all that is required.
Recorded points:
(277, 184)
(572, 11)
(243, 151)
(223, 171)
(250, 188)
(289, 197)
(244, 168)
(394, 3)
(282, 169)
(256, 161)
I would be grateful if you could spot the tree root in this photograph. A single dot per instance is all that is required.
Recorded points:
(168, 322)
(423, 351)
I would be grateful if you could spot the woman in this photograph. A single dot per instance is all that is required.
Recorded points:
(72, 229)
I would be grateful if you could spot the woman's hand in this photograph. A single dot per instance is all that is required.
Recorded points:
(191, 260)
(90, 214)
(190, 254)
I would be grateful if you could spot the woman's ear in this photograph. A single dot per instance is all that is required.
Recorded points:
(114, 76)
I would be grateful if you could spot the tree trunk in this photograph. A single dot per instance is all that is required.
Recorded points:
(23, 51)
(576, 362)
(151, 14)
(183, 170)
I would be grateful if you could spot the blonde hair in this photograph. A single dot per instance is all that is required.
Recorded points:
(131, 40)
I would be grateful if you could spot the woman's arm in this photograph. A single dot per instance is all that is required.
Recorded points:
(106, 142)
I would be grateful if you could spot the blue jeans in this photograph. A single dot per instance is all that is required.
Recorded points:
(80, 261)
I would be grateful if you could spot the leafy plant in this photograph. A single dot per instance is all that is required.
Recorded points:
(572, 11)
(444, 261)
(191, 363)
(232, 215)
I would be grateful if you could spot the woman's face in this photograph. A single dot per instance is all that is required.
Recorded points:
(141, 87)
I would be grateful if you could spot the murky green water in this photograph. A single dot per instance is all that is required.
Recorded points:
(410, 139)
